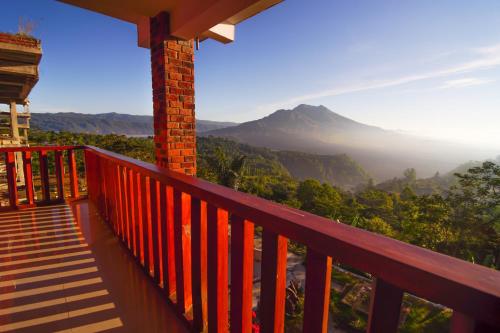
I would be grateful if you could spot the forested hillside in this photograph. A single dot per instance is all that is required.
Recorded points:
(338, 170)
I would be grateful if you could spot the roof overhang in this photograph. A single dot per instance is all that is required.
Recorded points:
(188, 18)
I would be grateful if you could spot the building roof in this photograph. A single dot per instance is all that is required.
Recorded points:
(19, 59)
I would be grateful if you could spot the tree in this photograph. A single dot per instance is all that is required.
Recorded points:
(376, 203)
(229, 171)
(476, 214)
(410, 175)
(375, 224)
(320, 199)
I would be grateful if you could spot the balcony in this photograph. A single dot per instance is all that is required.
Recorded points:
(170, 252)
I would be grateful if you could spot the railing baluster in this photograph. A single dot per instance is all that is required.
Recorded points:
(111, 193)
(28, 177)
(104, 188)
(167, 204)
(126, 205)
(242, 247)
(89, 171)
(131, 208)
(273, 285)
(461, 323)
(73, 174)
(154, 188)
(146, 219)
(182, 244)
(385, 307)
(97, 183)
(10, 164)
(59, 174)
(217, 245)
(119, 191)
(204, 261)
(44, 174)
(116, 201)
(199, 262)
(138, 214)
(317, 296)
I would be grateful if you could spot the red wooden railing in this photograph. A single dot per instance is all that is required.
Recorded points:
(177, 227)
(27, 154)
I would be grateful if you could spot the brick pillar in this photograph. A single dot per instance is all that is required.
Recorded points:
(172, 67)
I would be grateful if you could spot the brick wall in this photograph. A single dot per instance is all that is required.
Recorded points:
(19, 40)
(172, 64)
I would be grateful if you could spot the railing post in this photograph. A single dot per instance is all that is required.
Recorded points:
(242, 247)
(73, 174)
(217, 244)
(44, 175)
(385, 307)
(317, 296)
(273, 285)
(10, 163)
(28, 177)
(59, 174)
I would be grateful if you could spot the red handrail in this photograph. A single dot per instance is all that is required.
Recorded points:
(472, 291)
(38, 148)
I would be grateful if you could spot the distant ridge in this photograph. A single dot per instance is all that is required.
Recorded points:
(108, 123)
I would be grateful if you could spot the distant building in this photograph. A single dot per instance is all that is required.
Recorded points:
(20, 55)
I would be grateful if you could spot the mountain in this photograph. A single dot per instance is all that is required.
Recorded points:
(383, 153)
(338, 170)
(108, 123)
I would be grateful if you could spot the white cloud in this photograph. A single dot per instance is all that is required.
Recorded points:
(465, 82)
(485, 58)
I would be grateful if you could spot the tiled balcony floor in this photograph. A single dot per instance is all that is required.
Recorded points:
(62, 270)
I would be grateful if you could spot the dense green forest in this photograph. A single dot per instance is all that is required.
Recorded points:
(461, 218)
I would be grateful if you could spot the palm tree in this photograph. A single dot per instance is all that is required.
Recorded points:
(228, 171)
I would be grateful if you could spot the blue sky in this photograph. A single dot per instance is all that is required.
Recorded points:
(425, 67)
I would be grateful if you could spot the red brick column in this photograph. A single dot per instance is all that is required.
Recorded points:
(172, 67)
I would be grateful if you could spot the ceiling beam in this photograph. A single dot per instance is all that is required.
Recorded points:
(223, 33)
(190, 19)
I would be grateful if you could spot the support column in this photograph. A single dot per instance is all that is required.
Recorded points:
(14, 133)
(172, 67)
(14, 128)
